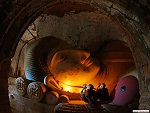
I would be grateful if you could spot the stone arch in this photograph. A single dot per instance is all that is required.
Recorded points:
(24, 12)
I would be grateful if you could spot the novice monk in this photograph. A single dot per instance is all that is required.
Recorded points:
(102, 92)
(88, 94)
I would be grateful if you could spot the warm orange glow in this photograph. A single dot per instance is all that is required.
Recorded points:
(69, 88)
(73, 68)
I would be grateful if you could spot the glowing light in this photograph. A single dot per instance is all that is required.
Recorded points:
(67, 87)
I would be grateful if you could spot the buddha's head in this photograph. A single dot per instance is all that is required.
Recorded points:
(73, 67)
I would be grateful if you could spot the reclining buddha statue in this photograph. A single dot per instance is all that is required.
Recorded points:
(64, 69)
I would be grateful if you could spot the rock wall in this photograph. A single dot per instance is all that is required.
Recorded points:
(86, 30)
(17, 62)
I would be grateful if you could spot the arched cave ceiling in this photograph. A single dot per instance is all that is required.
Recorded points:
(17, 15)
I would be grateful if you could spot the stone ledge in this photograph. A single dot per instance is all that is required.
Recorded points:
(25, 105)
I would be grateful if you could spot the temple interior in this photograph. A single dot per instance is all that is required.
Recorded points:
(49, 49)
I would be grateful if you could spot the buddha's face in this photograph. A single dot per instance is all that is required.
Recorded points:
(73, 67)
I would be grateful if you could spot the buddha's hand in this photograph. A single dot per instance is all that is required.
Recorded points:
(50, 82)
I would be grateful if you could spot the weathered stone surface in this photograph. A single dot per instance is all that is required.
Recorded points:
(25, 105)
(83, 31)
(4, 70)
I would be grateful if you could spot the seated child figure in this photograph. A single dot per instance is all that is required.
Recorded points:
(102, 92)
(88, 94)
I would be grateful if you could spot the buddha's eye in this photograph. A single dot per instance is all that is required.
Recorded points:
(83, 57)
(62, 57)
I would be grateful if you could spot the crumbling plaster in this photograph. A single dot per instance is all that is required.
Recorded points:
(85, 30)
